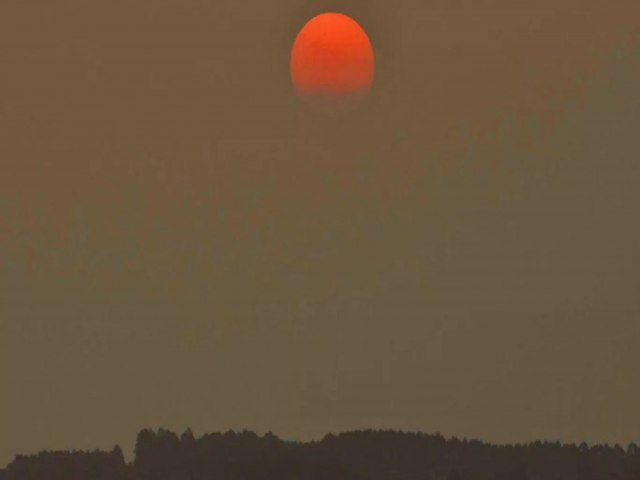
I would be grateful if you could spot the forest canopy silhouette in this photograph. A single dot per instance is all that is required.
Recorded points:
(358, 455)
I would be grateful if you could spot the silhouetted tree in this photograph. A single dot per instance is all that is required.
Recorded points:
(68, 465)
(361, 455)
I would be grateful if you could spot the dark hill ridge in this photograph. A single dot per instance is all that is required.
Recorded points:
(360, 455)
(95, 465)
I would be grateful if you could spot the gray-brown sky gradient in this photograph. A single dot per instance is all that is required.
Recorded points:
(182, 243)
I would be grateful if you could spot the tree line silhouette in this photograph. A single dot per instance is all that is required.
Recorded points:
(359, 455)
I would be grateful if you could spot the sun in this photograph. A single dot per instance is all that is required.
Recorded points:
(332, 56)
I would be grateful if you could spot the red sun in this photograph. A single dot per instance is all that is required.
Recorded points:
(332, 56)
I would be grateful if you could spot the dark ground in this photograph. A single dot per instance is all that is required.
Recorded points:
(370, 455)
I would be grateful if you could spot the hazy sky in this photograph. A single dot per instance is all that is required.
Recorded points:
(183, 243)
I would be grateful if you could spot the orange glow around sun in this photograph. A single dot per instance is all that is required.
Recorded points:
(332, 55)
